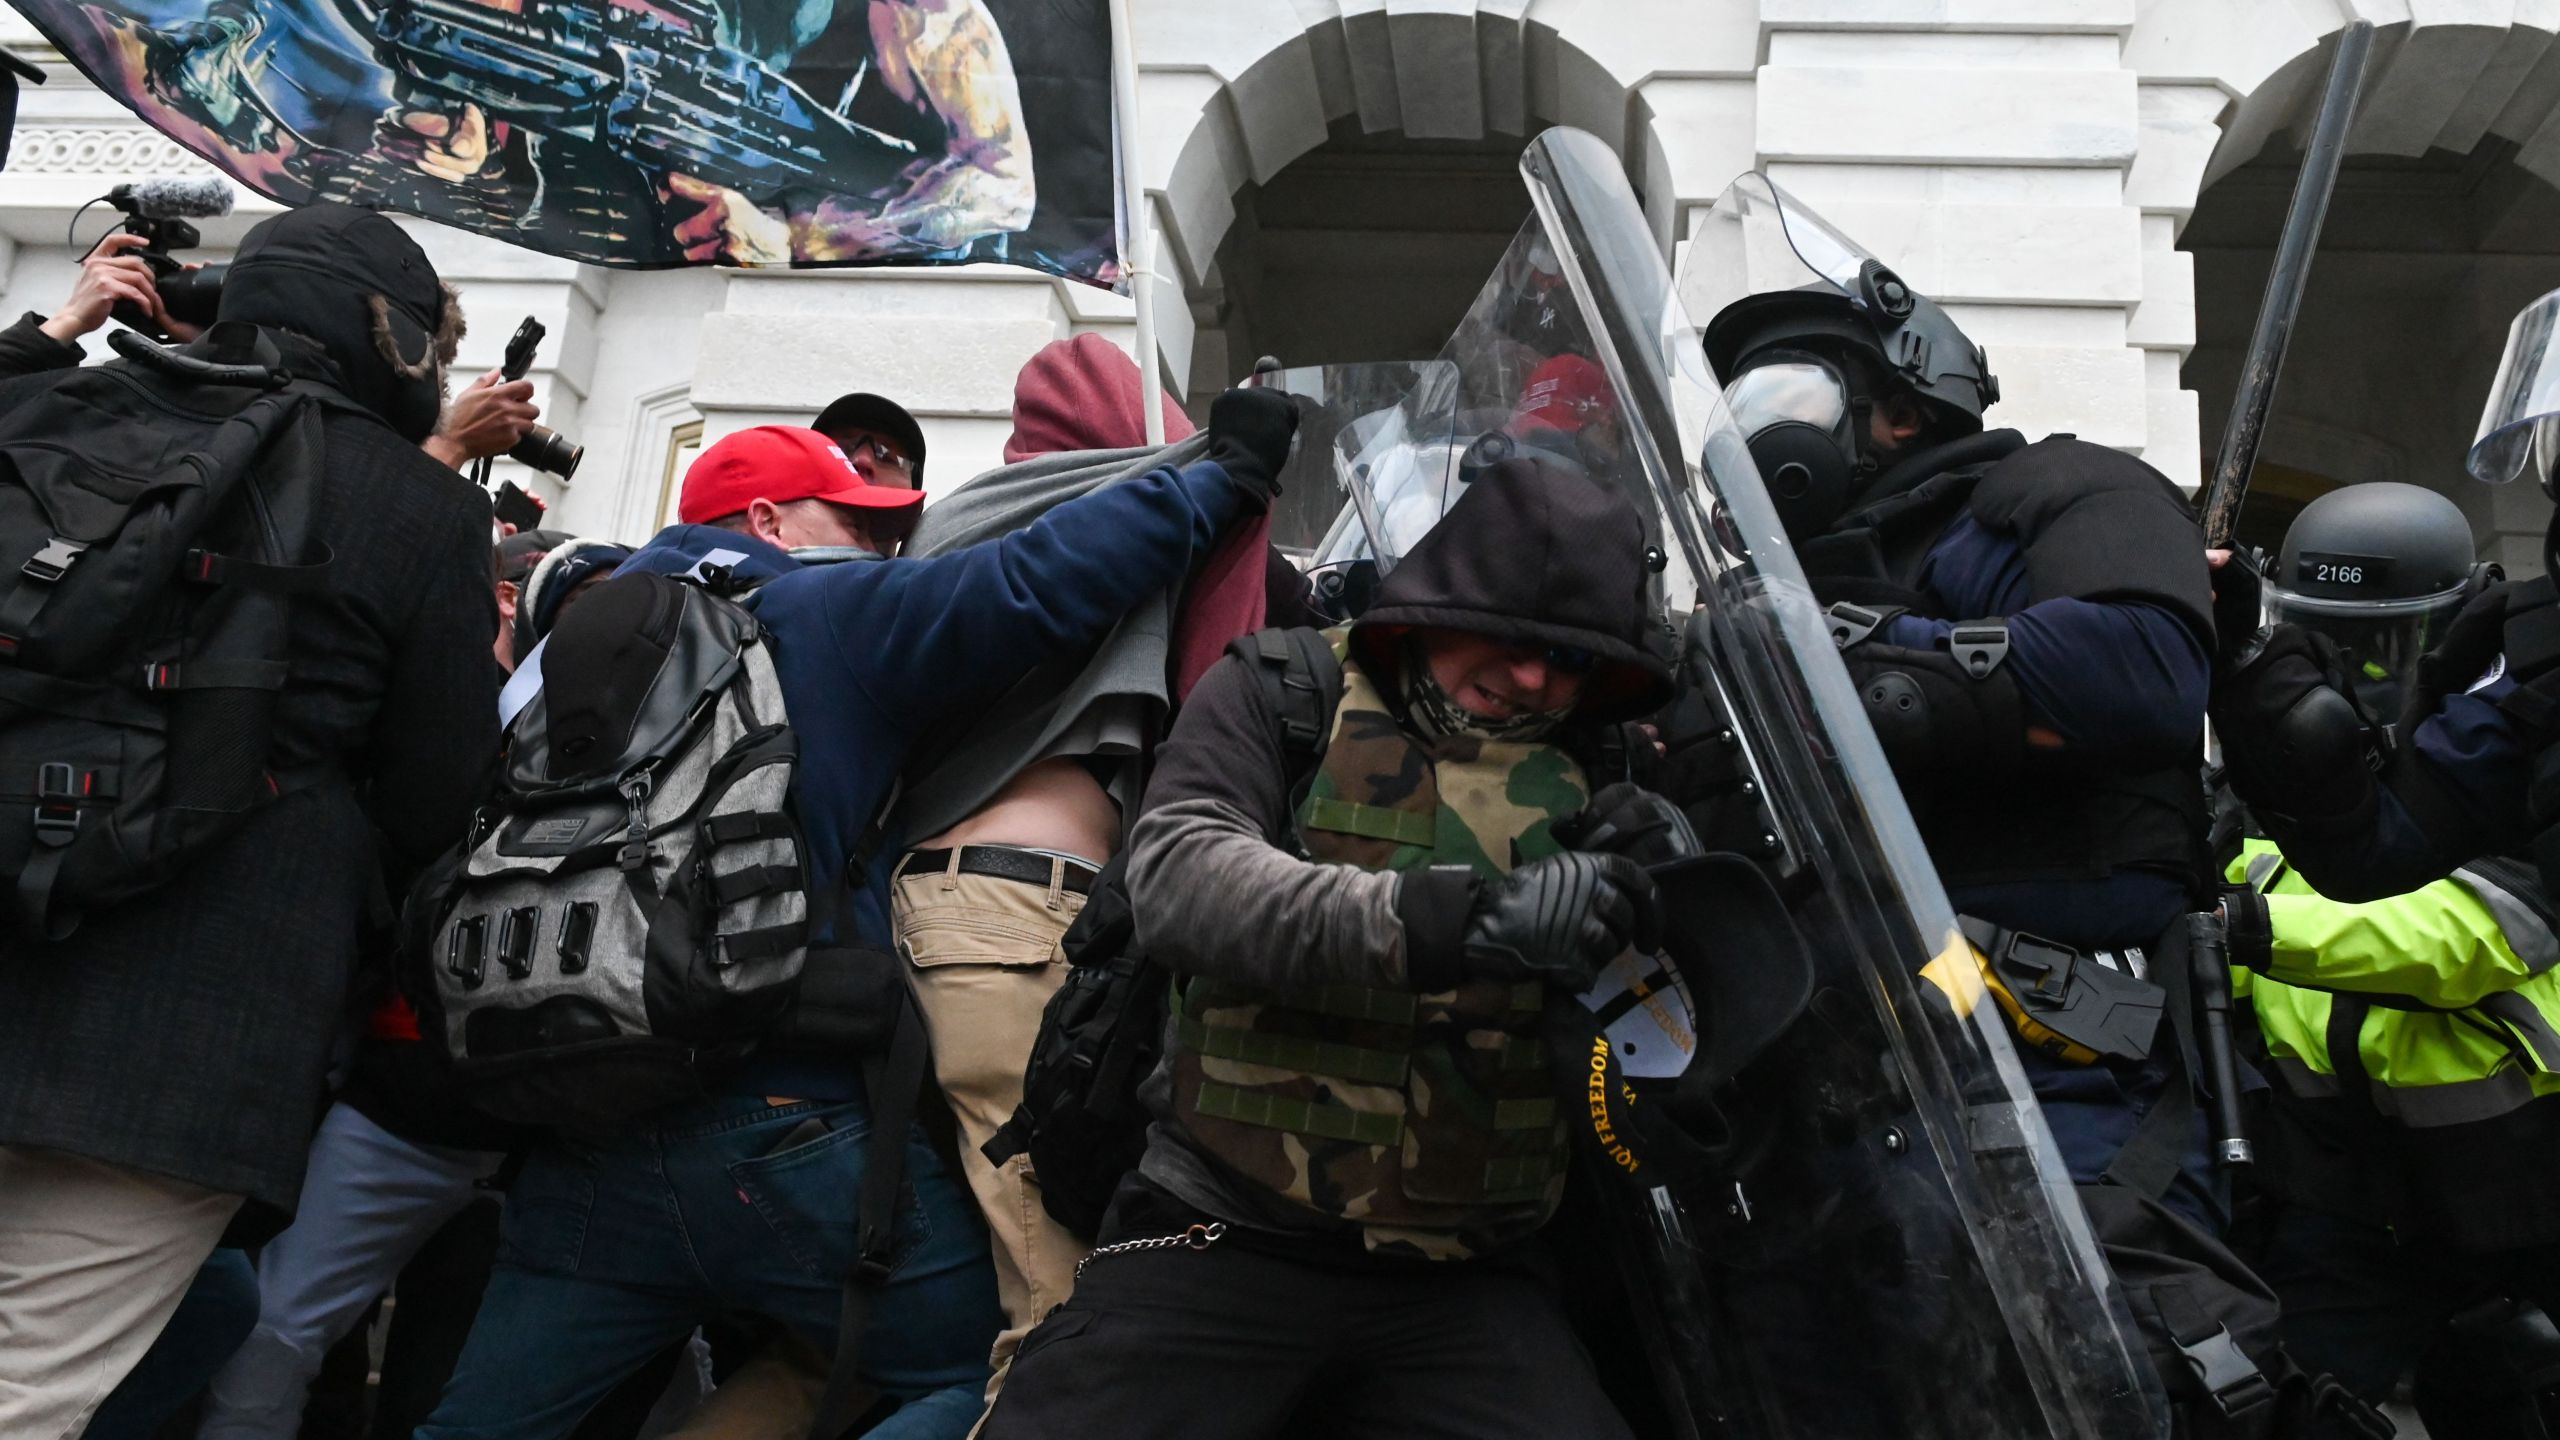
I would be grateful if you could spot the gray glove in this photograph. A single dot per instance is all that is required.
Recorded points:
(1559, 920)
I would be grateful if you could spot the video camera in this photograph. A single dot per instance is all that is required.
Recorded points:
(159, 212)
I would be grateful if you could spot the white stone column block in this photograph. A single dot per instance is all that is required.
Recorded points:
(2036, 254)
(2237, 46)
(1263, 54)
(2045, 16)
(1439, 95)
(2179, 136)
(945, 344)
(2165, 319)
(10, 289)
(1634, 39)
(2095, 394)
(1971, 116)
(2174, 443)
(1191, 142)
(1699, 138)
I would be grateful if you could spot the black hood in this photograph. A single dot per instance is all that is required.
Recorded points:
(358, 286)
(1534, 551)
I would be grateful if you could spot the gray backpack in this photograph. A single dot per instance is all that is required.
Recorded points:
(634, 905)
(633, 902)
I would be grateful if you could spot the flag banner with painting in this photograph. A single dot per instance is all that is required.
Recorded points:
(646, 133)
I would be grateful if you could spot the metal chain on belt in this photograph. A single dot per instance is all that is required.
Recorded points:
(1198, 1237)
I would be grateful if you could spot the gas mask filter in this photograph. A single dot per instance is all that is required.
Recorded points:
(1798, 415)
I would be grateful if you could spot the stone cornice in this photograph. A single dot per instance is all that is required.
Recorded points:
(99, 150)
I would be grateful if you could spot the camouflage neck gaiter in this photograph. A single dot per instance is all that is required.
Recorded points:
(1440, 717)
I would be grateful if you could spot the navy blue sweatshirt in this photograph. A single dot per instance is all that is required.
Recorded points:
(873, 654)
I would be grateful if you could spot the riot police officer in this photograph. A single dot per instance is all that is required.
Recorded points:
(2029, 626)
(2404, 1149)
(2366, 809)
(2030, 630)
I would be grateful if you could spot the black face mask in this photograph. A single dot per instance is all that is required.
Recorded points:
(1801, 421)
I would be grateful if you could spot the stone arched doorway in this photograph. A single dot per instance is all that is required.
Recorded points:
(2445, 222)
(1304, 107)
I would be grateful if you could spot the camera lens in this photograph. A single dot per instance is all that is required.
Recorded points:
(193, 296)
(549, 451)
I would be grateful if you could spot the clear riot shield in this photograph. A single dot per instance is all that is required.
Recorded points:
(1886, 1242)
(1359, 469)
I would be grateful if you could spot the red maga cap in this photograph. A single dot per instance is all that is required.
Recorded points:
(780, 463)
(1566, 393)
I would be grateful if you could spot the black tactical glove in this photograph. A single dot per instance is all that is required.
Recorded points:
(2471, 644)
(2294, 740)
(2248, 932)
(1249, 432)
(1630, 820)
(1560, 920)
(2239, 590)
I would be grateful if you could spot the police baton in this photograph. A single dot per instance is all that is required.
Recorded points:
(2212, 984)
(2285, 283)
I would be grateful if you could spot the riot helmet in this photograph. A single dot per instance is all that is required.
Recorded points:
(2381, 569)
(1805, 364)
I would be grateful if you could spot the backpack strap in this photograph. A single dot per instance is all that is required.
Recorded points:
(1301, 683)
(2149, 1162)
(2231, 1382)
(893, 1078)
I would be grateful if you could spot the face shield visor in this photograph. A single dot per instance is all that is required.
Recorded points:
(2520, 427)
(2381, 639)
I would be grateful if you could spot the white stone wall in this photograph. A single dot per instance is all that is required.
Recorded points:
(2030, 162)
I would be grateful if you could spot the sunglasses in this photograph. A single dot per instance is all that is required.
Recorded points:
(882, 453)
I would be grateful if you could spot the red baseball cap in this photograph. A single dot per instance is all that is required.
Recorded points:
(1565, 393)
(780, 463)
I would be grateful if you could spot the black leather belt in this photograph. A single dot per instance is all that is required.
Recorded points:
(1003, 864)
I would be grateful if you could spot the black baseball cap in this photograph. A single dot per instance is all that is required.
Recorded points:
(881, 416)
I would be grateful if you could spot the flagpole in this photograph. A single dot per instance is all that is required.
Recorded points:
(1139, 265)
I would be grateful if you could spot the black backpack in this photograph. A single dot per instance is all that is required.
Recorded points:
(1102, 1034)
(155, 521)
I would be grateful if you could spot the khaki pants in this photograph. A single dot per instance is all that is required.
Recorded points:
(773, 1396)
(93, 1258)
(984, 957)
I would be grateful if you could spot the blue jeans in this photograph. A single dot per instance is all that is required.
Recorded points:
(612, 1251)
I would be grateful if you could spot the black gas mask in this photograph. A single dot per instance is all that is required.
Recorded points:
(1805, 423)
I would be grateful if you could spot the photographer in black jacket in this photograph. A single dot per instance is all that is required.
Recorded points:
(161, 1067)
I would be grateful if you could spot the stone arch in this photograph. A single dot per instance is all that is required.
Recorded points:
(1227, 102)
(2459, 122)
(2442, 77)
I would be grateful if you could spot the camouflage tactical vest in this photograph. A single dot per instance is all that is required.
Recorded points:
(1429, 1120)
